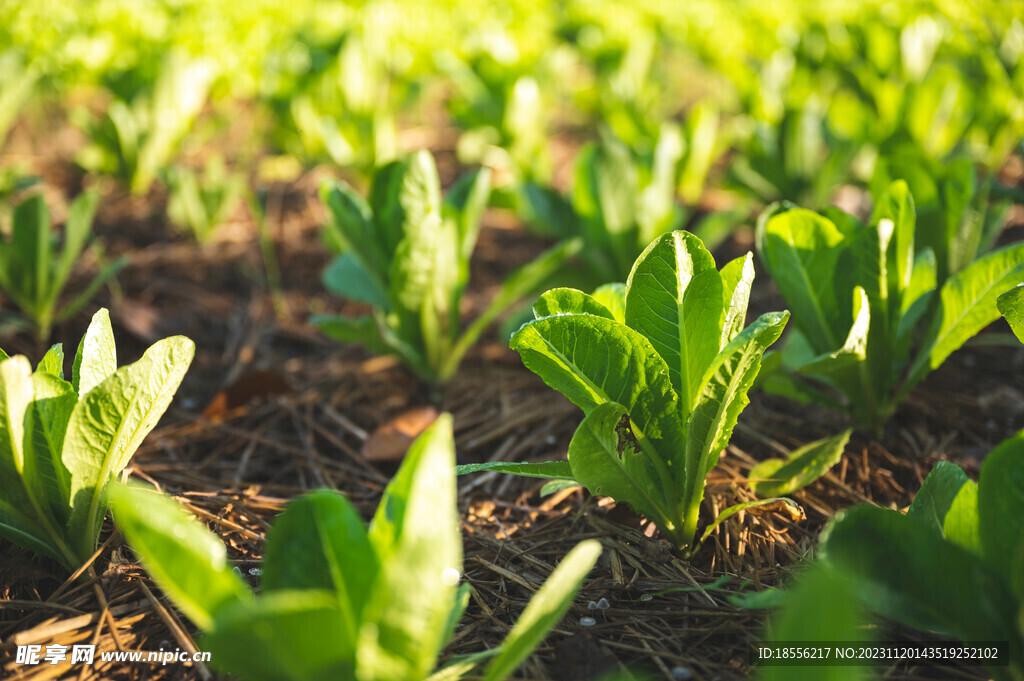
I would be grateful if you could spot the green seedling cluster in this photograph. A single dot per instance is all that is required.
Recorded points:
(34, 270)
(661, 368)
(872, 319)
(62, 442)
(338, 600)
(405, 253)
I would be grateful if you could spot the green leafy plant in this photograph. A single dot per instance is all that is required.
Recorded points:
(137, 138)
(61, 442)
(33, 272)
(619, 203)
(200, 204)
(406, 254)
(961, 539)
(661, 368)
(1011, 306)
(871, 321)
(339, 601)
(957, 217)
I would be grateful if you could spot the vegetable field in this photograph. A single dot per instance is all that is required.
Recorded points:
(396, 341)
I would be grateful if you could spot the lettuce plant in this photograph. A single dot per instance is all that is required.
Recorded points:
(660, 367)
(33, 273)
(61, 442)
(137, 138)
(619, 203)
(339, 601)
(200, 204)
(406, 254)
(871, 320)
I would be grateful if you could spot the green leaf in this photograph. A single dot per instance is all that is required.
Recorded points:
(613, 297)
(466, 201)
(568, 301)
(22, 487)
(905, 572)
(46, 421)
(724, 397)
(776, 477)
(544, 610)
(352, 226)
(1011, 306)
(347, 277)
(549, 469)
(77, 230)
(53, 362)
(292, 635)
(674, 298)
(801, 250)
(96, 358)
(593, 360)
(948, 503)
(188, 561)
(415, 533)
(897, 205)
(606, 459)
(737, 279)
(362, 330)
(1001, 508)
(967, 304)
(320, 542)
(819, 608)
(109, 423)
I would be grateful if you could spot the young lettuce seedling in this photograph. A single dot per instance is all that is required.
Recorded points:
(863, 298)
(33, 274)
(953, 564)
(660, 367)
(406, 254)
(339, 601)
(61, 442)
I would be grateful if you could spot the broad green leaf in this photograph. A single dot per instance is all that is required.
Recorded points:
(606, 459)
(347, 277)
(967, 304)
(96, 358)
(568, 301)
(109, 423)
(854, 348)
(188, 561)
(724, 397)
(363, 330)
(905, 572)
(53, 362)
(800, 249)
(737, 278)
(549, 469)
(897, 205)
(736, 508)
(1001, 507)
(820, 607)
(20, 480)
(406, 198)
(415, 533)
(319, 542)
(352, 225)
(285, 635)
(948, 502)
(613, 297)
(776, 477)
(674, 299)
(544, 610)
(47, 418)
(593, 360)
(1011, 306)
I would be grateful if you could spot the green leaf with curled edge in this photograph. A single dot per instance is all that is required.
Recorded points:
(776, 477)
(1011, 306)
(96, 357)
